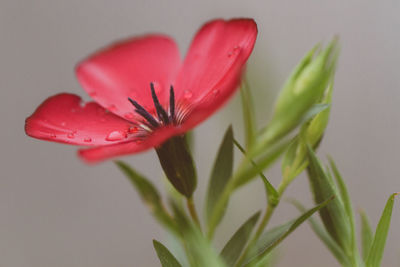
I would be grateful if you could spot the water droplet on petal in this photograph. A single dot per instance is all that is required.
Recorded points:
(215, 92)
(234, 51)
(187, 94)
(53, 135)
(133, 129)
(82, 104)
(112, 108)
(116, 136)
(129, 115)
(63, 124)
(87, 139)
(71, 135)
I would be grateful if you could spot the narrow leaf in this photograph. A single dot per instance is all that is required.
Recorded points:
(221, 172)
(366, 235)
(148, 194)
(262, 162)
(313, 111)
(272, 238)
(334, 216)
(232, 250)
(345, 197)
(199, 250)
(378, 245)
(166, 257)
(324, 236)
(248, 113)
(272, 194)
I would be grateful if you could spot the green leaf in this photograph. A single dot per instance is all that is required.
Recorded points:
(313, 111)
(345, 197)
(272, 238)
(248, 113)
(324, 236)
(221, 172)
(272, 194)
(269, 156)
(232, 250)
(148, 194)
(166, 257)
(334, 216)
(199, 250)
(378, 245)
(366, 235)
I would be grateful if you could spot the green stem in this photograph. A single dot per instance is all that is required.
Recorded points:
(264, 222)
(192, 210)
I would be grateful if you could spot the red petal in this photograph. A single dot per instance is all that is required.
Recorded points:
(219, 48)
(65, 118)
(126, 69)
(97, 154)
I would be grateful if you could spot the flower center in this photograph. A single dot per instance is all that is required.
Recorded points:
(163, 117)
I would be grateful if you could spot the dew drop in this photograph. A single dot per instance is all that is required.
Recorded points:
(115, 136)
(234, 51)
(71, 135)
(87, 139)
(187, 94)
(112, 108)
(129, 115)
(63, 124)
(53, 135)
(133, 129)
(215, 92)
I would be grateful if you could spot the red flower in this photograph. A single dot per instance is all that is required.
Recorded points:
(144, 93)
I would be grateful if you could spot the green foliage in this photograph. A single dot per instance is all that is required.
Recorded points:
(149, 195)
(375, 254)
(324, 236)
(304, 88)
(366, 235)
(295, 159)
(221, 172)
(334, 216)
(274, 237)
(249, 117)
(232, 250)
(166, 257)
(272, 194)
(198, 249)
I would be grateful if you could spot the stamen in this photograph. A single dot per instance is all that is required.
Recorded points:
(161, 113)
(142, 112)
(171, 104)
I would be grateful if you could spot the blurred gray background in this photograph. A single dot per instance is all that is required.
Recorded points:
(57, 211)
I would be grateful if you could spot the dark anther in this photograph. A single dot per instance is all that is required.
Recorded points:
(171, 104)
(142, 112)
(161, 113)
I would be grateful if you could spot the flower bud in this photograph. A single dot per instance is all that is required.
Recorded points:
(303, 89)
(295, 158)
